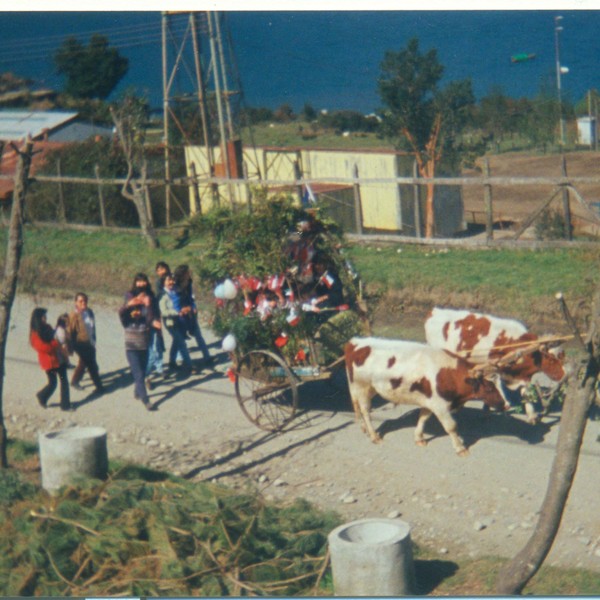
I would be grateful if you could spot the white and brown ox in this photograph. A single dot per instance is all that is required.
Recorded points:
(405, 372)
(486, 339)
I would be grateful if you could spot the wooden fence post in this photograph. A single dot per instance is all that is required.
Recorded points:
(298, 177)
(195, 191)
(358, 220)
(100, 196)
(248, 188)
(417, 203)
(62, 214)
(566, 204)
(487, 195)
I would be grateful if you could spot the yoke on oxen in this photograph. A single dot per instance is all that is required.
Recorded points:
(541, 392)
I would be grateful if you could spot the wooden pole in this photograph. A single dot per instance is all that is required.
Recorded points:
(195, 191)
(166, 118)
(565, 200)
(11, 273)
(100, 196)
(487, 197)
(248, 188)
(417, 203)
(298, 178)
(62, 214)
(358, 220)
(202, 95)
(219, 100)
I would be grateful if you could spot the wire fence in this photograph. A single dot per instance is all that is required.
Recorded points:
(188, 193)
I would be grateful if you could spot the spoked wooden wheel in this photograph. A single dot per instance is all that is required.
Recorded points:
(266, 390)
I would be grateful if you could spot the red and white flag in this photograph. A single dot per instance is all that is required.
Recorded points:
(328, 280)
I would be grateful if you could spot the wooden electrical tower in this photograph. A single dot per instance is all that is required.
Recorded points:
(198, 67)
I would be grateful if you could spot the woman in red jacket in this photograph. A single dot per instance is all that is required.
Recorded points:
(50, 357)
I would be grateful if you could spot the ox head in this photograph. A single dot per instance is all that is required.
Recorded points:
(522, 366)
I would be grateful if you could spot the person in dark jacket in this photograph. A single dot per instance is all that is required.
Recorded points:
(156, 345)
(81, 337)
(41, 338)
(136, 316)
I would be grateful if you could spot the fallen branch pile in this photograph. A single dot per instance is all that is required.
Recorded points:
(149, 537)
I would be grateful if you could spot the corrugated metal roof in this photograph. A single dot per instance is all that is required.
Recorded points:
(18, 124)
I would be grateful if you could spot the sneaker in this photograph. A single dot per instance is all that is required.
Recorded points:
(76, 386)
(68, 409)
(149, 384)
(40, 399)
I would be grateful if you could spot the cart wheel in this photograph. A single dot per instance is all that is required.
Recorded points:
(266, 390)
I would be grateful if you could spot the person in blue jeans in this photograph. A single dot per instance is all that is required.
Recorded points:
(170, 305)
(136, 317)
(187, 310)
(156, 344)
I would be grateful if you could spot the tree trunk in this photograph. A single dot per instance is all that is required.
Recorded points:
(146, 223)
(11, 272)
(516, 574)
(429, 211)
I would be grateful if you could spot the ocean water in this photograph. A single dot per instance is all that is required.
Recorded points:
(329, 59)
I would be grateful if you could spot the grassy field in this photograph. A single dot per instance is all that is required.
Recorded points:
(519, 283)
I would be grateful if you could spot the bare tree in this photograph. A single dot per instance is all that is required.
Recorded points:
(129, 119)
(516, 574)
(11, 273)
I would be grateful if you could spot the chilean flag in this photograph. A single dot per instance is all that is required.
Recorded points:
(328, 280)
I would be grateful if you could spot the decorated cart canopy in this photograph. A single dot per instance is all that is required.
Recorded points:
(305, 310)
(286, 302)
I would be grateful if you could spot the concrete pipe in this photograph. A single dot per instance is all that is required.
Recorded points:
(71, 453)
(372, 557)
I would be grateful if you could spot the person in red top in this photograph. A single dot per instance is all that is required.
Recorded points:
(41, 338)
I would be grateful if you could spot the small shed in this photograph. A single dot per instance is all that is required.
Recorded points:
(586, 131)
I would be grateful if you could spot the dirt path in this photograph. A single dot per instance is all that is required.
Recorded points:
(485, 504)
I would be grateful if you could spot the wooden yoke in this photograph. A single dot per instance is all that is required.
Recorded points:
(520, 349)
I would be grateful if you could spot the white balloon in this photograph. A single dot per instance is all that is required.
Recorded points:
(220, 292)
(229, 289)
(229, 343)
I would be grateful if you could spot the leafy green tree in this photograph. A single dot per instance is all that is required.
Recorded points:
(427, 118)
(309, 113)
(494, 115)
(542, 120)
(91, 71)
(284, 114)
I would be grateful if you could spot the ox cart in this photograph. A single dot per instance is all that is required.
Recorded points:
(267, 381)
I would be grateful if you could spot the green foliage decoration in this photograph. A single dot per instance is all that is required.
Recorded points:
(253, 244)
(171, 537)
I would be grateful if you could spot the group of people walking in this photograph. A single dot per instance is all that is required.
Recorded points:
(144, 314)
(75, 333)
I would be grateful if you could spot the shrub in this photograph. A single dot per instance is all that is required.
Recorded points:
(550, 226)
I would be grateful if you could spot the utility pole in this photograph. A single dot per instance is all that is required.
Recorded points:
(559, 71)
(166, 119)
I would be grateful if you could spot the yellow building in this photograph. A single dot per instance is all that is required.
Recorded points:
(386, 205)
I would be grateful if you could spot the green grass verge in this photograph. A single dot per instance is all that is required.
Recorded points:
(512, 281)
(515, 282)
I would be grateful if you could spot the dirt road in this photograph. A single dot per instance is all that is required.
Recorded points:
(485, 504)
